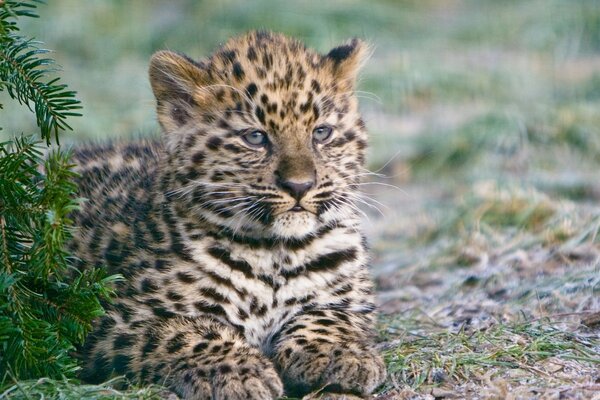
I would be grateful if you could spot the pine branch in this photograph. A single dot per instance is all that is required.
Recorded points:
(46, 305)
(10, 11)
(23, 68)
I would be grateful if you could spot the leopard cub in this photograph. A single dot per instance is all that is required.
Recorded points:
(237, 232)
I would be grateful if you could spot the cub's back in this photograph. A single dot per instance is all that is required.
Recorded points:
(116, 182)
(110, 166)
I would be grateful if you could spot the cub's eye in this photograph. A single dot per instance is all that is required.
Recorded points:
(255, 138)
(322, 133)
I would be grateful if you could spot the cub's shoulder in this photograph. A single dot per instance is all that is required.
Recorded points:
(116, 153)
(100, 164)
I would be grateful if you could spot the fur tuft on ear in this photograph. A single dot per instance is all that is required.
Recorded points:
(174, 79)
(347, 59)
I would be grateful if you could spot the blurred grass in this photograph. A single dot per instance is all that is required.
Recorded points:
(436, 357)
(46, 388)
(467, 58)
(486, 112)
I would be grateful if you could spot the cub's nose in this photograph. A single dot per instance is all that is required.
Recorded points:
(296, 189)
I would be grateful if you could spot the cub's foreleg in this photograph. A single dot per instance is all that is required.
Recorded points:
(329, 348)
(197, 358)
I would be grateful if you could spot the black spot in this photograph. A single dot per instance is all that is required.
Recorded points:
(238, 71)
(315, 86)
(124, 310)
(218, 176)
(220, 280)
(213, 294)
(161, 265)
(190, 141)
(263, 35)
(137, 324)
(228, 56)
(243, 315)
(342, 316)
(115, 252)
(316, 111)
(294, 328)
(251, 89)
(257, 309)
(272, 108)
(209, 308)
(343, 290)
(267, 279)
(213, 143)
(224, 124)
(260, 114)
(106, 323)
(162, 312)
(174, 296)
(149, 286)
(144, 373)
(200, 347)
(325, 322)
(291, 301)
(325, 262)
(123, 340)
(297, 244)
(176, 343)
(225, 369)
(238, 265)
(339, 54)
(232, 148)
(267, 60)
(251, 54)
(198, 157)
(121, 363)
(185, 277)
(212, 335)
(179, 115)
(350, 135)
(306, 106)
(191, 175)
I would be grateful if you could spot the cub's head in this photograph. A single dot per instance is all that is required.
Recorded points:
(264, 136)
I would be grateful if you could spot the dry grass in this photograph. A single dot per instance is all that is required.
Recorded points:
(487, 259)
(498, 296)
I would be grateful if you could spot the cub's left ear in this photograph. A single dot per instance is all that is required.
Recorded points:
(347, 59)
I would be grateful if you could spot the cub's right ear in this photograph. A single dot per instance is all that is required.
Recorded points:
(175, 80)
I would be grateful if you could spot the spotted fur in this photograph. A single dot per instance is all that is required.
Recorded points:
(244, 265)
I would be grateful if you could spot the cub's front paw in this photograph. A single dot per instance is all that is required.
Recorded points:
(254, 379)
(336, 368)
(246, 384)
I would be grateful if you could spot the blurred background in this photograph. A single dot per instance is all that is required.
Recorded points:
(485, 127)
(469, 73)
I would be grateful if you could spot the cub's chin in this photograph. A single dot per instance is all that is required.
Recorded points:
(294, 224)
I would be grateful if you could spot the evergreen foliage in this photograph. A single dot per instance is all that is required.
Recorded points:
(46, 305)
